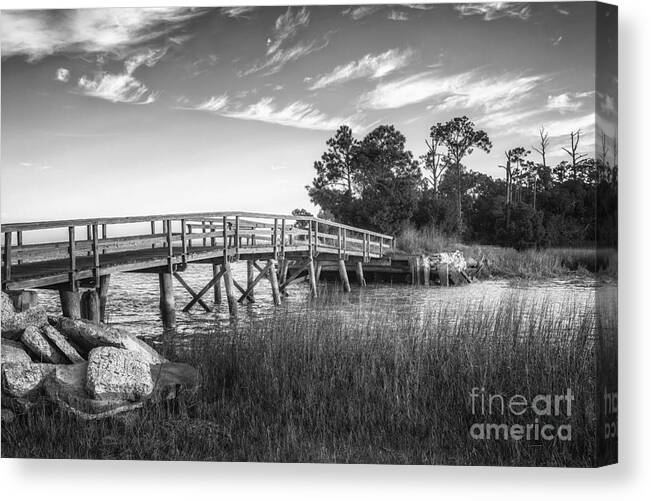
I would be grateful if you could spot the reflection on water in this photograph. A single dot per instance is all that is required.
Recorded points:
(133, 300)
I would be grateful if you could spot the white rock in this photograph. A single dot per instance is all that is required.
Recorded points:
(118, 374)
(62, 344)
(13, 351)
(14, 325)
(41, 347)
(24, 379)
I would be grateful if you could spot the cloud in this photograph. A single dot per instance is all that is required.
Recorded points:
(557, 41)
(567, 101)
(607, 104)
(297, 114)
(214, 104)
(563, 127)
(361, 12)
(281, 57)
(369, 66)
(40, 33)
(123, 87)
(287, 25)
(495, 10)
(461, 91)
(62, 75)
(395, 15)
(237, 12)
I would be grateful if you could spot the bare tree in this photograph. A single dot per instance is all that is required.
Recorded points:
(576, 157)
(541, 149)
(435, 162)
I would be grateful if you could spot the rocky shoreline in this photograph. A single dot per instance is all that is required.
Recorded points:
(90, 370)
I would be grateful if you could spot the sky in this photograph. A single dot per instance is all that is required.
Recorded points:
(131, 111)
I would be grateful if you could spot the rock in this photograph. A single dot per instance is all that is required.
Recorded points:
(66, 387)
(13, 351)
(41, 347)
(118, 374)
(62, 344)
(8, 310)
(14, 325)
(88, 335)
(24, 379)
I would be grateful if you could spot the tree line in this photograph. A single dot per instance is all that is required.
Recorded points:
(376, 183)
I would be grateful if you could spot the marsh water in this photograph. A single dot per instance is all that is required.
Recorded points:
(133, 300)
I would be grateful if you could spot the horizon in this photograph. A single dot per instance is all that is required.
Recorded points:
(146, 111)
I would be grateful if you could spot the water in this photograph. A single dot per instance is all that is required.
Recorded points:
(133, 300)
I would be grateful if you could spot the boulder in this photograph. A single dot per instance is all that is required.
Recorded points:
(14, 325)
(57, 339)
(24, 379)
(8, 310)
(118, 374)
(38, 344)
(88, 335)
(13, 351)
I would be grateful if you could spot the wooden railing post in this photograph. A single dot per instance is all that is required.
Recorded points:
(72, 258)
(237, 237)
(381, 242)
(225, 235)
(152, 224)
(282, 238)
(19, 242)
(316, 237)
(274, 238)
(345, 242)
(8, 256)
(104, 236)
(309, 236)
(339, 242)
(184, 244)
(95, 232)
(170, 248)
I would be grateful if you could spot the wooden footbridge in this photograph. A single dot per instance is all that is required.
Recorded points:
(77, 257)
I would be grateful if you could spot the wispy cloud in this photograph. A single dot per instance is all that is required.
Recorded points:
(357, 13)
(495, 10)
(214, 104)
(281, 57)
(460, 91)
(40, 33)
(62, 75)
(237, 12)
(567, 102)
(563, 127)
(370, 66)
(123, 87)
(286, 28)
(296, 114)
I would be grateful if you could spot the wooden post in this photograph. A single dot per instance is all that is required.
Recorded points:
(19, 242)
(8, 256)
(70, 303)
(316, 236)
(167, 307)
(90, 306)
(237, 237)
(152, 224)
(339, 243)
(319, 268)
(273, 278)
(312, 276)
(95, 232)
(426, 270)
(217, 288)
(343, 274)
(274, 238)
(250, 277)
(284, 269)
(360, 274)
(228, 286)
(282, 238)
(72, 258)
(170, 247)
(344, 242)
(104, 281)
(184, 244)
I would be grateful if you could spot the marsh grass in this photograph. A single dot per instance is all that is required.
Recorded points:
(383, 387)
(510, 263)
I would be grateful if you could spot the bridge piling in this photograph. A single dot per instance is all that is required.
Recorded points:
(312, 276)
(273, 278)
(217, 287)
(343, 274)
(104, 282)
(228, 286)
(250, 278)
(360, 274)
(70, 303)
(90, 306)
(167, 306)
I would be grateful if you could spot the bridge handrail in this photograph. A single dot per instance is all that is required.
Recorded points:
(64, 223)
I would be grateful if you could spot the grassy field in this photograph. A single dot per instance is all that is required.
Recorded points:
(389, 387)
(510, 263)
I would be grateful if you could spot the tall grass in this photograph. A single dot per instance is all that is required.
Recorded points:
(510, 263)
(381, 387)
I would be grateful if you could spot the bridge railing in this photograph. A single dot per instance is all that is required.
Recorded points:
(91, 241)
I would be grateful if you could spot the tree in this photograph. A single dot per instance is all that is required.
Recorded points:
(514, 159)
(575, 156)
(435, 163)
(541, 149)
(460, 138)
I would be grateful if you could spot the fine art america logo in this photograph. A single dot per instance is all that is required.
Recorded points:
(543, 417)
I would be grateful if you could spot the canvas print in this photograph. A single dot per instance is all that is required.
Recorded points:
(325, 233)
